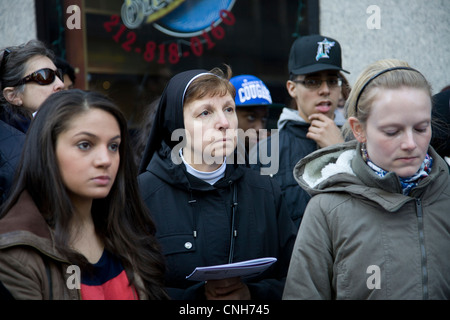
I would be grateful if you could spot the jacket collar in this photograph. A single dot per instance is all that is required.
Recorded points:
(291, 115)
(323, 171)
(25, 216)
(25, 225)
(174, 174)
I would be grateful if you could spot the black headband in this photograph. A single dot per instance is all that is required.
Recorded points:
(376, 76)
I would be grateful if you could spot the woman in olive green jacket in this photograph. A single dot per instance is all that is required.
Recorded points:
(378, 224)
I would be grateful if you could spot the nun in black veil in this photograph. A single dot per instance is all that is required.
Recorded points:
(209, 208)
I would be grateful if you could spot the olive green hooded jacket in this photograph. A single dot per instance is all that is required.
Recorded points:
(361, 238)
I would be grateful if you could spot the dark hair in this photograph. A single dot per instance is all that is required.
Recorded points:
(13, 66)
(66, 68)
(121, 218)
(141, 136)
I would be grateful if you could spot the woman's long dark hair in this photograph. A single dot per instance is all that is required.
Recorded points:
(121, 218)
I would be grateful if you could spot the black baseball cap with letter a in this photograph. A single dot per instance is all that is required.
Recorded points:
(314, 53)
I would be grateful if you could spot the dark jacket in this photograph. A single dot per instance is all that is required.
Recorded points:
(293, 146)
(441, 123)
(11, 144)
(181, 204)
(194, 220)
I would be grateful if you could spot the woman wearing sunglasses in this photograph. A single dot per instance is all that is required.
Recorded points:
(28, 76)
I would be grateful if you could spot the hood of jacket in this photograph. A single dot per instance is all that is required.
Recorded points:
(341, 168)
(292, 115)
(25, 225)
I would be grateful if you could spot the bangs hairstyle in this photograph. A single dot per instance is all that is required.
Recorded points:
(394, 79)
(214, 83)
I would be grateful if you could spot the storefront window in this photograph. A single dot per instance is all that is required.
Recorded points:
(132, 47)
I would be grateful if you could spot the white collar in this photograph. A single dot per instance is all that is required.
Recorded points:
(209, 177)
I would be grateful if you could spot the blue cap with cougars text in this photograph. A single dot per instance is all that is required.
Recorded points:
(250, 91)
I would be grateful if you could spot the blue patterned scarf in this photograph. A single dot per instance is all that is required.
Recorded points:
(409, 182)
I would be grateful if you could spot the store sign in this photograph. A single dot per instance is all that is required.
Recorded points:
(135, 12)
(198, 20)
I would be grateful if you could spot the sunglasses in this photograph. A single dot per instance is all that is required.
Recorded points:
(316, 83)
(42, 77)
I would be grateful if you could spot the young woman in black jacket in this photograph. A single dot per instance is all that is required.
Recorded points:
(209, 208)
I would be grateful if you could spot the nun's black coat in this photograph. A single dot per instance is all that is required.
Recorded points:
(195, 221)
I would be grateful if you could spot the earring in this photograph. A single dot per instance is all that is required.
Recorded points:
(364, 154)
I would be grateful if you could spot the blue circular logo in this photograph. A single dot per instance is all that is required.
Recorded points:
(193, 17)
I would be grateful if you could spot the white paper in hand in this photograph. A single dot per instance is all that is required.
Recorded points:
(239, 269)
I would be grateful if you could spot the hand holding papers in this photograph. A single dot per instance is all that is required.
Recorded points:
(238, 269)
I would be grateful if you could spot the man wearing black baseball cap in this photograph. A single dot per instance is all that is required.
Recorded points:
(313, 122)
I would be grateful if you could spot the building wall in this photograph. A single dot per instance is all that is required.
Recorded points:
(17, 22)
(416, 31)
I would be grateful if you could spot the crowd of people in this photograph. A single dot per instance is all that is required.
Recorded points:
(357, 208)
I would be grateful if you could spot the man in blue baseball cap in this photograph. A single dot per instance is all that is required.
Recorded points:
(252, 106)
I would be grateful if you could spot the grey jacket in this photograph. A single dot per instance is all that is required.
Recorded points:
(361, 238)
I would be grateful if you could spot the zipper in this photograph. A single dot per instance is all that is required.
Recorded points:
(192, 203)
(422, 249)
(233, 235)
